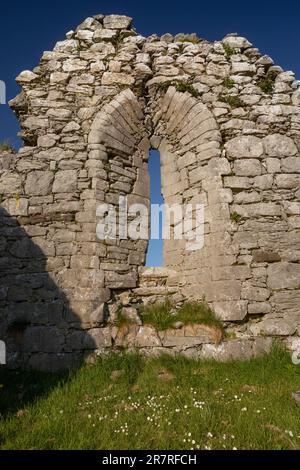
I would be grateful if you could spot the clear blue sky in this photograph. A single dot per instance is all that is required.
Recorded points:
(29, 28)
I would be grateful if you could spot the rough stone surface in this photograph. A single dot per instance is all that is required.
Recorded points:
(89, 113)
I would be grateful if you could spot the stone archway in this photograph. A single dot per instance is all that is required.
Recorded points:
(90, 112)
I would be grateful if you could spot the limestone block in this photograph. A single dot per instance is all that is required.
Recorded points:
(237, 41)
(230, 310)
(39, 183)
(59, 77)
(243, 68)
(67, 46)
(283, 275)
(276, 326)
(111, 78)
(65, 181)
(286, 301)
(43, 339)
(254, 293)
(287, 181)
(26, 77)
(132, 315)
(279, 145)
(259, 308)
(222, 290)
(228, 351)
(104, 34)
(244, 147)
(147, 337)
(16, 206)
(74, 65)
(290, 165)
(117, 21)
(10, 183)
(33, 123)
(251, 167)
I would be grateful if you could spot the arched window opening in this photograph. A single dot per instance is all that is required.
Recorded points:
(155, 248)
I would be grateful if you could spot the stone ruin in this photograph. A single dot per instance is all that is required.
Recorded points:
(226, 122)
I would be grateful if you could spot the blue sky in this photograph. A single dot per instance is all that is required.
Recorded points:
(29, 28)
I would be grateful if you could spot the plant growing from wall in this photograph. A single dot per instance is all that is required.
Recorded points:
(6, 146)
(233, 101)
(163, 315)
(180, 86)
(235, 217)
(266, 84)
(229, 51)
(228, 83)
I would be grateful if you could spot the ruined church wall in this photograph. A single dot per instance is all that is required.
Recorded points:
(226, 121)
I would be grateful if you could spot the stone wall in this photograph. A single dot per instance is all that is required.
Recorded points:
(226, 121)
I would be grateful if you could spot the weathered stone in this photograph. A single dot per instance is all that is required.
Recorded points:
(276, 326)
(42, 339)
(89, 114)
(110, 78)
(244, 146)
(131, 314)
(117, 21)
(278, 145)
(26, 77)
(230, 310)
(283, 275)
(237, 41)
(65, 181)
(228, 351)
(39, 183)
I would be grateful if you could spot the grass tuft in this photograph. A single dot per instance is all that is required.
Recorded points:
(229, 51)
(235, 217)
(6, 146)
(267, 83)
(180, 86)
(233, 101)
(228, 83)
(161, 317)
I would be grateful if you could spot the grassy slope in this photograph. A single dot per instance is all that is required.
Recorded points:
(165, 403)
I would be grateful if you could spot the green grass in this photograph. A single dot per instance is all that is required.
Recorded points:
(228, 83)
(266, 84)
(229, 51)
(180, 86)
(159, 315)
(235, 217)
(6, 146)
(191, 40)
(158, 403)
(233, 101)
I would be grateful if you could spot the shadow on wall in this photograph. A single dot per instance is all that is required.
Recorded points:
(36, 322)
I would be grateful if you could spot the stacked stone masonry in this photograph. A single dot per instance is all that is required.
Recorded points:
(226, 122)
